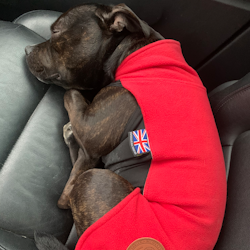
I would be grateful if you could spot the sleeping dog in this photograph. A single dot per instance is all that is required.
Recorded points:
(87, 45)
(109, 51)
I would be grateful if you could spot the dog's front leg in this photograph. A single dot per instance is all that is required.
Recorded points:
(74, 103)
(97, 128)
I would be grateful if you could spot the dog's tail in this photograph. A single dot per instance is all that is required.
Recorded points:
(45, 241)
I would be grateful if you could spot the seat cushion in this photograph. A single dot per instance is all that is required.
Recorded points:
(35, 162)
(39, 21)
(235, 230)
(230, 104)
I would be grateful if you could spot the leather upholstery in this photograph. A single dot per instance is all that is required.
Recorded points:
(230, 104)
(38, 21)
(34, 161)
(230, 107)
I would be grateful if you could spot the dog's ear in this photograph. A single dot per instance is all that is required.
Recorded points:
(120, 17)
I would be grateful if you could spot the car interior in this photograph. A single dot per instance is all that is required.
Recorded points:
(34, 160)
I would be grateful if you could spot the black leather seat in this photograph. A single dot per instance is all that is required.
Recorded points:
(35, 163)
(231, 107)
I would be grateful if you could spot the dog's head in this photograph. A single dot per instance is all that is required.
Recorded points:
(87, 45)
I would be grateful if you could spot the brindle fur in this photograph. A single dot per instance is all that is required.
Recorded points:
(87, 45)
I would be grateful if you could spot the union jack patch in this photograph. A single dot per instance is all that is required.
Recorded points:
(139, 142)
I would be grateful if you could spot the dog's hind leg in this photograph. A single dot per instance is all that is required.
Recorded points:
(96, 192)
(83, 163)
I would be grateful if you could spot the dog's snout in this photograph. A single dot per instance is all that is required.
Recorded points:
(28, 50)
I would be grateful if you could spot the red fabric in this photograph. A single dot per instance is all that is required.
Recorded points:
(185, 192)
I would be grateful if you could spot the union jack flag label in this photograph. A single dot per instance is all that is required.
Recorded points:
(139, 142)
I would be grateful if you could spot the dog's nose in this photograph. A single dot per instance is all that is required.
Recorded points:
(28, 50)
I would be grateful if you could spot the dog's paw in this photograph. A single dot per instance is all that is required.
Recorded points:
(68, 134)
(63, 202)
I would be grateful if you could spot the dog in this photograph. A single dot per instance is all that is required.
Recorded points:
(94, 49)
(87, 45)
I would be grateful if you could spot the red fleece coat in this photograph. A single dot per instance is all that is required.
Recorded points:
(185, 192)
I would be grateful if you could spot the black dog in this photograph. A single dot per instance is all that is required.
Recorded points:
(87, 45)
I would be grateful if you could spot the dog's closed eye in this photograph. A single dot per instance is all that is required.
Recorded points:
(55, 32)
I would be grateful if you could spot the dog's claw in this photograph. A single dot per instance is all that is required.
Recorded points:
(68, 134)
